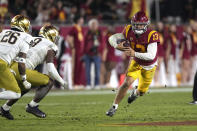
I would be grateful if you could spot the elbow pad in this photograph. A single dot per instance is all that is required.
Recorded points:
(113, 39)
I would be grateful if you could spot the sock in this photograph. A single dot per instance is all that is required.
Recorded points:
(115, 106)
(6, 107)
(7, 95)
(33, 103)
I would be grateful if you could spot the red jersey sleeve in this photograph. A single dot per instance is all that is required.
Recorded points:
(153, 36)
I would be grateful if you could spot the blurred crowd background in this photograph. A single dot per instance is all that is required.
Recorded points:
(85, 58)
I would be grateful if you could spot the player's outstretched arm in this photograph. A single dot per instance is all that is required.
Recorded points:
(22, 70)
(52, 70)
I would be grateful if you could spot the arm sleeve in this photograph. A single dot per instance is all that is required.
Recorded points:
(24, 48)
(29, 40)
(53, 73)
(150, 54)
(54, 48)
(113, 39)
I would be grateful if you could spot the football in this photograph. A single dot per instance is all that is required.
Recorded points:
(126, 44)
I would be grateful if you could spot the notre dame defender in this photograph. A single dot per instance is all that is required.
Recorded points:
(14, 42)
(44, 50)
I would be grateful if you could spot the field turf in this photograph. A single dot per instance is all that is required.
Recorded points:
(85, 111)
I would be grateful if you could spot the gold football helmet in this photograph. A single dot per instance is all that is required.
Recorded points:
(20, 22)
(49, 32)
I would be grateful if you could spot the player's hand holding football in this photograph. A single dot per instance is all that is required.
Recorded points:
(121, 46)
(129, 52)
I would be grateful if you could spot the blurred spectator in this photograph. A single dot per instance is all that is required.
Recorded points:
(60, 12)
(64, 61)
(171, 56)
(93, 52)
(71, 14)
(75, 39)
(160, 74)
(3, 10)
(185, 55)
(111, 57)
(43, 15)
(194, 49)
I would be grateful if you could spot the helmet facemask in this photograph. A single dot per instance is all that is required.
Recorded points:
(139, 27)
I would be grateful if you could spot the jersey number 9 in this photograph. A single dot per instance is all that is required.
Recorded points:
(10, 37)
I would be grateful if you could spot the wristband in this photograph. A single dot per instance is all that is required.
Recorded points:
(23, 77)
(21, 60)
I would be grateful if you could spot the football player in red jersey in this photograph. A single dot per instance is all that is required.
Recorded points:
(143, 51)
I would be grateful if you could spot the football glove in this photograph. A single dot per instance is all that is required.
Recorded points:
(65, 85)
(26, 84)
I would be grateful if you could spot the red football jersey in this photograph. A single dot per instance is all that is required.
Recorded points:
(186, 46)
(78, 36)
(161, 46)
(140, 44)
(173, 42)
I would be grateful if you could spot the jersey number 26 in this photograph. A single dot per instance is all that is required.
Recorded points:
(10, 37)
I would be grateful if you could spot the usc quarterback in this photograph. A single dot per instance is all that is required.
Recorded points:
(143, 52)
(14, 42)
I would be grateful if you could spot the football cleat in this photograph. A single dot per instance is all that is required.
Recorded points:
(111, 111)
(6, 114)
(133, 96)
(35, 111)
(49, 32)
(193, 103)
(21, 22)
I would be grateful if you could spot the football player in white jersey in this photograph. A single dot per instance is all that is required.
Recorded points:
(44, 50)
(14, 42)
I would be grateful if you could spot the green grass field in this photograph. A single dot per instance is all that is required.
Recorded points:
(85, 110)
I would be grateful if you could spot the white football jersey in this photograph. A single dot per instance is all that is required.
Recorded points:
(12, 42)
(37, 54)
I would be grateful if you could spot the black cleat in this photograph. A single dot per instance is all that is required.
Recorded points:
(6, 114)
(111, 111)
(133, 96)
(35, 111)
(193, 103)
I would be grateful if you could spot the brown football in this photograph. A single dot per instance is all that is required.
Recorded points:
(126, 44)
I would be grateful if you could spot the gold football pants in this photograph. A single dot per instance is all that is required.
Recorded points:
(34, 77)
(7, 79)
(145, 76)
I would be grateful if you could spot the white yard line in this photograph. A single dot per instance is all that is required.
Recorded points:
(104, 92)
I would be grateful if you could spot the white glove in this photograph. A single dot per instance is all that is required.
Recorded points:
(26, 84)
(65, 85)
